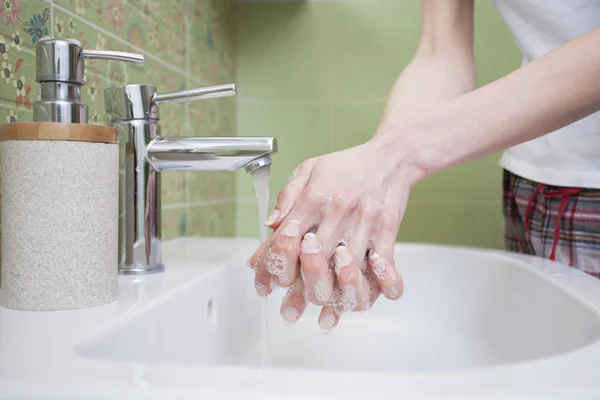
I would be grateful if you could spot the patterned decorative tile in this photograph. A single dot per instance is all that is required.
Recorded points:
(159, 27)
(102, 74)
(22, 23)
(213, 41)
(153, 25)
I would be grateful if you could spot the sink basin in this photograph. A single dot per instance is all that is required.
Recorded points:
(461, 310)
(472, 324)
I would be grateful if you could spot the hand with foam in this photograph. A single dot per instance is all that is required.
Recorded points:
(335, 227)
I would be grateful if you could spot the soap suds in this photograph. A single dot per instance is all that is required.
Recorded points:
(319, 290)
(345, 238)
(277, 265)
(343, 259)
(291, 228)
(379, 266)
(294, 172)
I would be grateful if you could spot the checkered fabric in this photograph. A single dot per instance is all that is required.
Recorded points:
(552, 222)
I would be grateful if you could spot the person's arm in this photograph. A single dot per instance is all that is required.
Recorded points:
(551, 92)
(350, 197)
(442, 69)
(443, 66)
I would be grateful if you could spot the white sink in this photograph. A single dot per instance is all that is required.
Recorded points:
(472, 324)
(461, 309)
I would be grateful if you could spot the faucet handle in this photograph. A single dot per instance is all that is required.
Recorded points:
(209, 92)
(133, 58)
(140, 102)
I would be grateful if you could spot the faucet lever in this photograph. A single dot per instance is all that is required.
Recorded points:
(134, 58)
(140, 102)
(196, 94)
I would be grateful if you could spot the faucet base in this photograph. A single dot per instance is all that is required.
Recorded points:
(141, 269)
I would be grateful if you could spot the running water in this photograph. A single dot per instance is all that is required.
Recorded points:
(261, 186)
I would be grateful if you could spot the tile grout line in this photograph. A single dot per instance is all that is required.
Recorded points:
(188, 42)
(201, 203)
(122, 41)
(238, 31)
(52, 18)
(333, 75)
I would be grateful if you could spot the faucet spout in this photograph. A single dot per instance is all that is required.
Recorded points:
(208, 154)
(145, 153)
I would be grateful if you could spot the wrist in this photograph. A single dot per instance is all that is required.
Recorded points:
(395, 144)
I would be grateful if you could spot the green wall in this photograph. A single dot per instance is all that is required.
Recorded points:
(187, 43)
(316, 75)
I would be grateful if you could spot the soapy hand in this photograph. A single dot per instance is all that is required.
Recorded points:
(335, 226)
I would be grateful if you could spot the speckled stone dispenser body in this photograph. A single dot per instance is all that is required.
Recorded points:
(59, 210)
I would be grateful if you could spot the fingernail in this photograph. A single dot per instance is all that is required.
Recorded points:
(392, 293)
(342, 258)
(291, 229)
(379, 266)
(273, 217)
(261, 289)
(319, 290)
(310, 244)
(249, 264)
(327, 323)
(290, 315)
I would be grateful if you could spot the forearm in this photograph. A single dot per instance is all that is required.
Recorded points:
(427, 81)
(551, 92)
(443, 66)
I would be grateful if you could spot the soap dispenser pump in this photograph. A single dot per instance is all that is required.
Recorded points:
(60, 192)
(60, 71)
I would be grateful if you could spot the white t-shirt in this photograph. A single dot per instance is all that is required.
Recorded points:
(569, 156)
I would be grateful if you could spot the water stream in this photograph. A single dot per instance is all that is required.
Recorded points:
(261, 186)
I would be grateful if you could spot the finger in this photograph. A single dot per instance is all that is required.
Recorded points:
(381, 260)
(354, 285)
(331, 228)
(294, 303)
(328, 319)
(314, 268)
(282, 260)
(374, 288)
(262, 279)
(290, 193)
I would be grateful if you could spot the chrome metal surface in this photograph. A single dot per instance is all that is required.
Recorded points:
(207, 154)
(69, 112)
(258, 163)
(196, 94)
(129, 102)
(133, 110)
(60, 69)
(133, 58)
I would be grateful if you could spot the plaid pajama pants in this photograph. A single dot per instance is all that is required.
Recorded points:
(557, 223)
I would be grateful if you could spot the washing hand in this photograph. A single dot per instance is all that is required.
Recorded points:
(335, 225)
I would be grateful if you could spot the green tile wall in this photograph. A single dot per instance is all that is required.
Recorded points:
(317, 74)
(187, 43)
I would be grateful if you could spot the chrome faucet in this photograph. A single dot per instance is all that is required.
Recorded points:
(133, 110)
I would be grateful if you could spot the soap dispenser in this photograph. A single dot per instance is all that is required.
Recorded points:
(60, 191)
